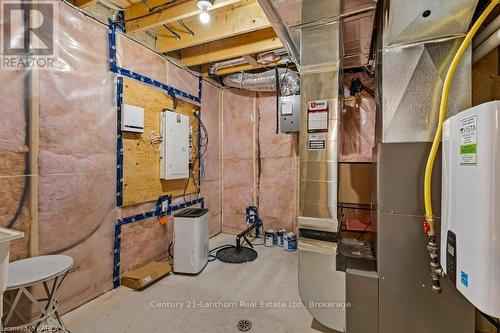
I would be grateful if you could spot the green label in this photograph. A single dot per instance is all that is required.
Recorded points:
(468, 140)
(468, 149)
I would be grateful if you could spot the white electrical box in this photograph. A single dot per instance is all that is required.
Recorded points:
(132, 118)
(470, 228)
(174, 152)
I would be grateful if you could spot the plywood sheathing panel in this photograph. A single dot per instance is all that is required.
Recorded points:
(141, 164)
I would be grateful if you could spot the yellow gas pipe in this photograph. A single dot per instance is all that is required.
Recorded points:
(429, 227)
(429, 215)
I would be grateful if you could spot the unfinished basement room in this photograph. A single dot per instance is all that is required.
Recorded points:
(260, 166)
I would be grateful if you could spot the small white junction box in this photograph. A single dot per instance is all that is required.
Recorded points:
(132, 118)
(470, 230)
(174, 152)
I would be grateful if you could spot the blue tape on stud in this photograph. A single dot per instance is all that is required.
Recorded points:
(136, 76)
(119, 142)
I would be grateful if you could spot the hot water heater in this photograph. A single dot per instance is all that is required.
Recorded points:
(470, 230)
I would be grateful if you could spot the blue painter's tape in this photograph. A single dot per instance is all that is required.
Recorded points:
(464, 278)
(136, 76)
(119, 142)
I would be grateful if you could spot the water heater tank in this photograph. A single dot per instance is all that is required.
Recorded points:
(470, 230)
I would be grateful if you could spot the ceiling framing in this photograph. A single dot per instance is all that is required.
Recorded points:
(238, 28)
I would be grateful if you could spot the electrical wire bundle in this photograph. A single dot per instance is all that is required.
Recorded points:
(154, 140)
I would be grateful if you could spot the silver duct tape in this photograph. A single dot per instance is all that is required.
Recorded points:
(266, 81)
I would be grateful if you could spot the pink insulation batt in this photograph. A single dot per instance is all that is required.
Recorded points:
(77, 157)
(238, 108)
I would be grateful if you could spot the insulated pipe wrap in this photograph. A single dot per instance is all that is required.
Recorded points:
(266, 81)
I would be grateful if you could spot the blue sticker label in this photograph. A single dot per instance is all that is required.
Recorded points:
(464, 278)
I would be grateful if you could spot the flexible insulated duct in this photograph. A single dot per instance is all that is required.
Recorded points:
(266, 81)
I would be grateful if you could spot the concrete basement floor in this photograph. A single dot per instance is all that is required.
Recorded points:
(218, 292)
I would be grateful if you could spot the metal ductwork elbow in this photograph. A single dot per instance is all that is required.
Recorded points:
(266, 81)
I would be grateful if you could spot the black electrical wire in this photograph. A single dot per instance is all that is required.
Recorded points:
(170, 249)
(26, 107)
(212, 257)
(185, 188)
(368, 90)
(151, 11)
(204, 136)
(283, 79)
(277, 99)
(174, 99)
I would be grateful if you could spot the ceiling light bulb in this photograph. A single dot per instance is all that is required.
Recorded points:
(204, 4)
(204, 17)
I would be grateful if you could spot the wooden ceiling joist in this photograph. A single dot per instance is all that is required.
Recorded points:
(138, 17)
(229, 48)
(85, 3)
(223, 24)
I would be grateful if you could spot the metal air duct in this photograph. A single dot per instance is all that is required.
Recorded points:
(266, 81)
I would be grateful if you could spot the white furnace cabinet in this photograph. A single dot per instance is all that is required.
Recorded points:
(470, 232)
(174, 152)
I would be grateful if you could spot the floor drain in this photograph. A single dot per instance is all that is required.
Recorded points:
(244, 325)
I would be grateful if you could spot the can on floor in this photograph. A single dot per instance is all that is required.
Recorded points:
(290, 242)
(281, 237)
(270, 238)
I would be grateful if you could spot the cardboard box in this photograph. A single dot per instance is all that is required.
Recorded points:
(146, 275)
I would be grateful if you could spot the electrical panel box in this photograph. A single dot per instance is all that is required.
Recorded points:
(289, 114)
(470, 227)
(132, 119)
(174, 152)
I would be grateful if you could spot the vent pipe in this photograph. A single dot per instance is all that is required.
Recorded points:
(266, 81)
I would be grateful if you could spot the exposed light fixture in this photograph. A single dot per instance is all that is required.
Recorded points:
(204, 5)
(204, 17)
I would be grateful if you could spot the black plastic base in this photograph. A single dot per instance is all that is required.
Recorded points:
(233, 255)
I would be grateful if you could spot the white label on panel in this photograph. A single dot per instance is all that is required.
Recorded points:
(317, 141)
(468, 141)
(286, 107)
(317, 121)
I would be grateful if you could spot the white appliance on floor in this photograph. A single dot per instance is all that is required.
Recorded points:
(470, 229)
(191, 241)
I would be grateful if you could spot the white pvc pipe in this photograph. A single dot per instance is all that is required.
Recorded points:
(487, 32)
(486, 47)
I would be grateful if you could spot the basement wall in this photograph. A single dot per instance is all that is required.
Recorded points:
(259, 166)
(77, 157)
